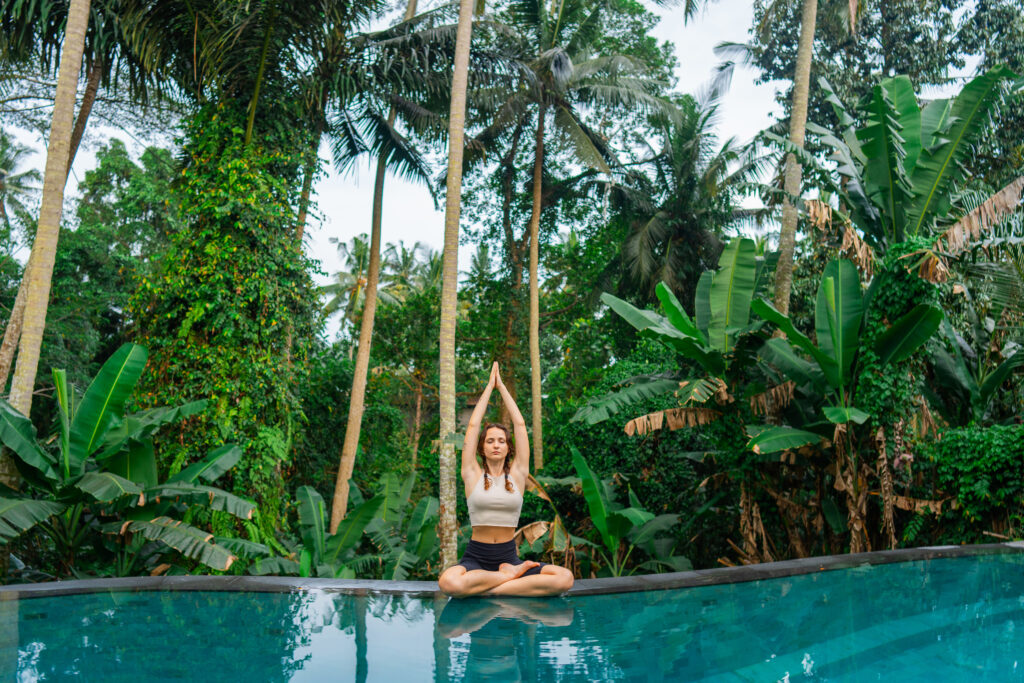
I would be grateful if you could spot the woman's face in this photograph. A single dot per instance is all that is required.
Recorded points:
(495, 444)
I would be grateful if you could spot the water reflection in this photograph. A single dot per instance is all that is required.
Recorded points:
(504, 644)
(949, 620)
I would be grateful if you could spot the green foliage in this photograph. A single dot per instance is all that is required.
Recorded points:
(96, 484)
(983, 468)
(404, 535)
(622, 529)
(320, 553)
(228, 309)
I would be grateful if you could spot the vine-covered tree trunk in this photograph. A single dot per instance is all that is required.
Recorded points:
(44, 248)
(797, 131)
(449, 285)
(535, 390)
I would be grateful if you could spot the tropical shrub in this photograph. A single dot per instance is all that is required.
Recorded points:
(982, 469)
(96, 485)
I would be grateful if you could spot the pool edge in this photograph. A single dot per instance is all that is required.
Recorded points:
(428, 589)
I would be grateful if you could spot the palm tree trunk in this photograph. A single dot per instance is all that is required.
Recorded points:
(12, 331)
(307, 185)
(357, 398)
(44, 249)
(417, 425)
(449, 284)
(797, 129)
(535, 404)
(92, 86)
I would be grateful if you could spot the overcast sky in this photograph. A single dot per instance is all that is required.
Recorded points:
(344, 200)
(409, 214)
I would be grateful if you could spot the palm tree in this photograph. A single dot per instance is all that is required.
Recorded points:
(556, 47)
(797, 132)
(44, 249)
(17, 186)
(449, 283)
(680, 209)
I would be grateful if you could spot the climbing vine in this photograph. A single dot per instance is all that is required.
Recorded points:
(229, 312)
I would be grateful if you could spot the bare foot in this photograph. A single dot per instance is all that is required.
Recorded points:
(514, 571)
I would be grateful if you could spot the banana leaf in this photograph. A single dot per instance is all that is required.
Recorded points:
(594, 494)
(676, 315)
(891, 139)
(843, 414)
(644, 534)
(136, 463)
(208, 496)
(780, 353)
(280, 566)
(938, 167)
(599, 409)
(143, 425)
(191, 542)
(908, 334)
(350, 531)
(210, 468)
(18, 515)
(104, 401)
(312, 520)
(19, 435)
(774, 439)
(107, 487)
(837, 315)
(732, 289)
(702, 302)
(65, 411)
(249, 550)
(826, 363)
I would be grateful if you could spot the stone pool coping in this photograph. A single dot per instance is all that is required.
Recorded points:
(429, 589)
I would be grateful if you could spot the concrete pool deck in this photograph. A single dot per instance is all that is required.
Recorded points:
(428, 589)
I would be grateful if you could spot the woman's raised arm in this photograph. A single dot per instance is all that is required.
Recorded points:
(470, 467)
(522, 459)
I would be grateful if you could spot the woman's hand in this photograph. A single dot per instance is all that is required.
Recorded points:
(496, 374)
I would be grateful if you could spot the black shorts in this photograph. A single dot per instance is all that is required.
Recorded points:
(488, 556)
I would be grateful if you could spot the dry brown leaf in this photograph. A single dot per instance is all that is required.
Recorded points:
(533, 485)
(777, 397)
(531, 532)
(859, 252)
(969, 229)
(159, 569)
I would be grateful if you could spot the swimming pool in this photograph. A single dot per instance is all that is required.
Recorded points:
(940, 619)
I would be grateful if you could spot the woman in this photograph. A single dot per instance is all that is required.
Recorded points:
(494, 494)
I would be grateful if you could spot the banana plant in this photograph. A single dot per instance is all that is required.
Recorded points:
(968, 375)
(897, 173)
(404, 535)
(622, 529)
(100, 478)
(321, 553)
(709, 339)
(827, 370)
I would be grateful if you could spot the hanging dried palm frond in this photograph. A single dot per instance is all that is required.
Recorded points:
(820, 214)
(888, 494)
(531, 532)
(858, 251)
(773, 399)
(677, 418)
(968, 229)
(920, 505)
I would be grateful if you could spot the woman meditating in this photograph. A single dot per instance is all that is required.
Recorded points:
(494, 493)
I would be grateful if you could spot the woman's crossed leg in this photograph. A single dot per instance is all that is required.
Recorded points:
(459, 582)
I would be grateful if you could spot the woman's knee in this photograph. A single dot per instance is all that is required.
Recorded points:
(450, 581)
(563, 578)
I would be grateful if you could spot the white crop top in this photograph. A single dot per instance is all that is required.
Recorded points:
(496, 505)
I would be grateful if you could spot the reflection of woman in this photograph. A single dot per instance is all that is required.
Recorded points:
(498, 634)
(494, 494)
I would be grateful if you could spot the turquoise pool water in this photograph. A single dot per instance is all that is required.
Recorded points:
(959, 619)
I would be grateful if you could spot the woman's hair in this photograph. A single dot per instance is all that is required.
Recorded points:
(509, 441)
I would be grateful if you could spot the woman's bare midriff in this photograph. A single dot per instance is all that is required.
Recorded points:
(493, 534)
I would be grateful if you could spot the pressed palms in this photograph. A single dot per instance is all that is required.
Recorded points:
(564, 76)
